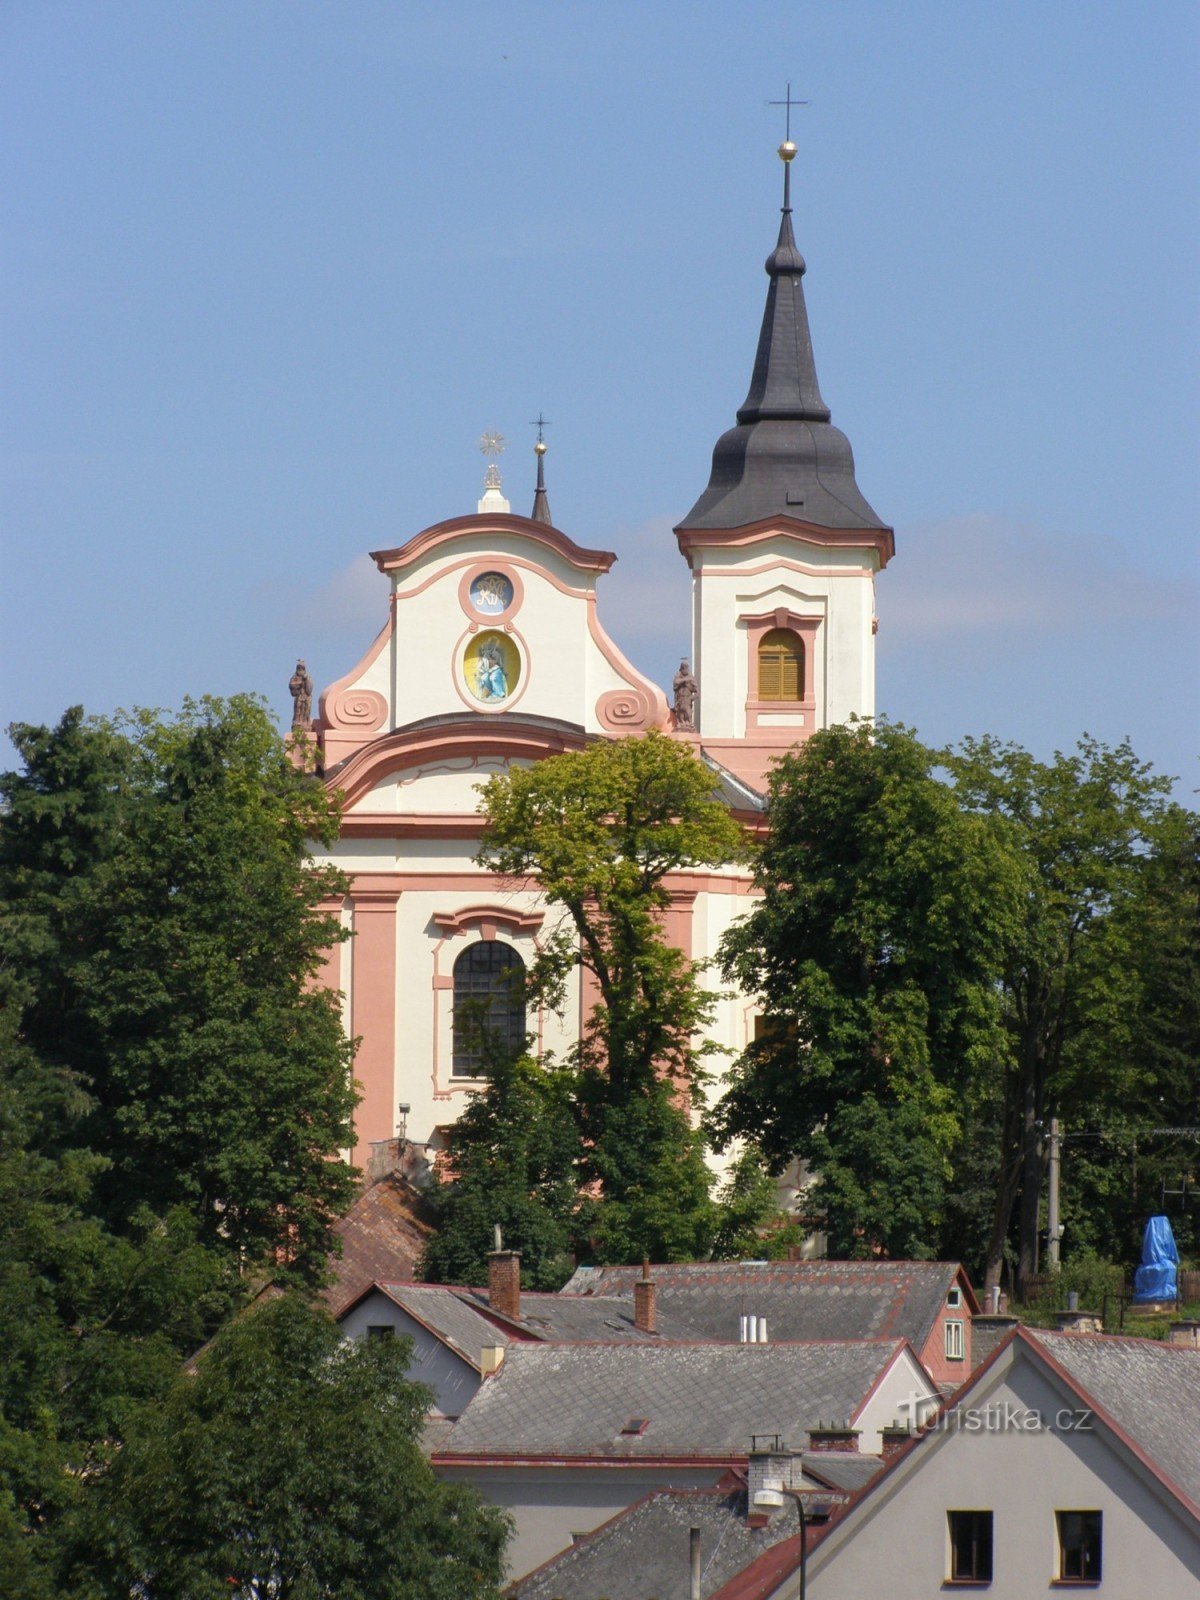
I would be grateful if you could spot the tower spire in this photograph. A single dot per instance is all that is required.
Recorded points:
(541, 503)
(784, 457)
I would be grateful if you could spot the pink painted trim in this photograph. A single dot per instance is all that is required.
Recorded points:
(456, 527)
(655, 700)
(452, 922)
(456, 671)
(509, 561)
(882, 540)
(806, 630)
(349, 733)
(687, 885)
(788, 565)
(492, 619)
(412, 748)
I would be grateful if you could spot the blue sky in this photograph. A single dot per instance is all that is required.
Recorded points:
(269, 269)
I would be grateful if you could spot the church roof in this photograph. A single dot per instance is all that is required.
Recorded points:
(784, 457)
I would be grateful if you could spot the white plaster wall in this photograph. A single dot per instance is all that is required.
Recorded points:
(563, 670)
(836, 585)
(451, 1380)
(901, 1548)
(550, 1504)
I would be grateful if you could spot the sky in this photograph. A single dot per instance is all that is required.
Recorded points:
(269, 268)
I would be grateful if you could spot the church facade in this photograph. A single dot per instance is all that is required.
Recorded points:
(493, 654)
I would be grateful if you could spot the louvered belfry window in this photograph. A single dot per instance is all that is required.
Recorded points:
(780, 666)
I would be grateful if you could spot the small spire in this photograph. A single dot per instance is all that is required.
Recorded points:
(541, 502)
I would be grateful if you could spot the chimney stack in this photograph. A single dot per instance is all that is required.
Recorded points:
(645, 1309)
(833, 1436)
(895, 1436)
(504, 1283)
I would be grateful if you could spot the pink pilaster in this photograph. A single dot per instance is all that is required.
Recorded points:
(373, 1011)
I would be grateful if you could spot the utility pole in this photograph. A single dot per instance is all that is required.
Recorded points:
(1053, 1226)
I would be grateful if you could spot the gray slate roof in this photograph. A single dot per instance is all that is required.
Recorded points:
(784, 457)
(800, 1299)
(842, 1469)
(565, 1316)
(456, 1323)
(645, 1550)
(698, 1400)
(1150, 1390)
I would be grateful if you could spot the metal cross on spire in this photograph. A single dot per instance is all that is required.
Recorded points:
(539, 422)
(789, 103)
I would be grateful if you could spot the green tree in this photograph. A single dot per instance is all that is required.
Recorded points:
(92, 1324)
(1084, 825)
(873, 948)
(512, 1162)
(288, 1467)
(162, 930)
(601, 830)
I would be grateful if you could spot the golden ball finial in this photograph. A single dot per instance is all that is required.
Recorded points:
(539, 448)
(787, 150)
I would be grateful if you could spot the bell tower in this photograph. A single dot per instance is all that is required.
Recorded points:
(783, 550)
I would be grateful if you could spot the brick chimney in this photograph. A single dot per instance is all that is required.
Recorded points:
(833, 1436)
(645, 1308)
(895, 1436)
(988, 1329)
(504, 1282)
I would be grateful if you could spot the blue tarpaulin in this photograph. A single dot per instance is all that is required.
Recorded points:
(1157, 1277)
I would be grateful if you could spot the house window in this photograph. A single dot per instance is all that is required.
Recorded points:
(955, 1340)
(380, 1330)
(489, 1004)
(970, 1546)
(954, 1298)
(1079, 1538)
(780, 666)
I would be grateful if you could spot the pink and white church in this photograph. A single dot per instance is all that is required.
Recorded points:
(494, 654)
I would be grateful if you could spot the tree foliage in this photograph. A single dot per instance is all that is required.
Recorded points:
(873, 948)
(1084, 825)
(288, 1467)
(601, 831)
(511, 1161)
(162, 932)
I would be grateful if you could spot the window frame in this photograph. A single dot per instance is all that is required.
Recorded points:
(954, 1333)
(982, 1552)
(1096, 1525)
(466, 1064)
(789, 645)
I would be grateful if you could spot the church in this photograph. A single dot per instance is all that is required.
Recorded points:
(494, 654)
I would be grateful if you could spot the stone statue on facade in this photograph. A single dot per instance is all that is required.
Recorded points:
(301, 686)
(686, 689)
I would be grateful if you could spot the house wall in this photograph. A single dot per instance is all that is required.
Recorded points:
(947, 1373)
(551, 1504)
(451, 1379)
(900, 1549)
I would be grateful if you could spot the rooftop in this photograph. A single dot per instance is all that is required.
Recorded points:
(646, 1549)
(799, 1299)
(648, 1401)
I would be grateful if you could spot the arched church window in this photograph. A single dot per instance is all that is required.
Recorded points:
(489, 1004)
(781, 666)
